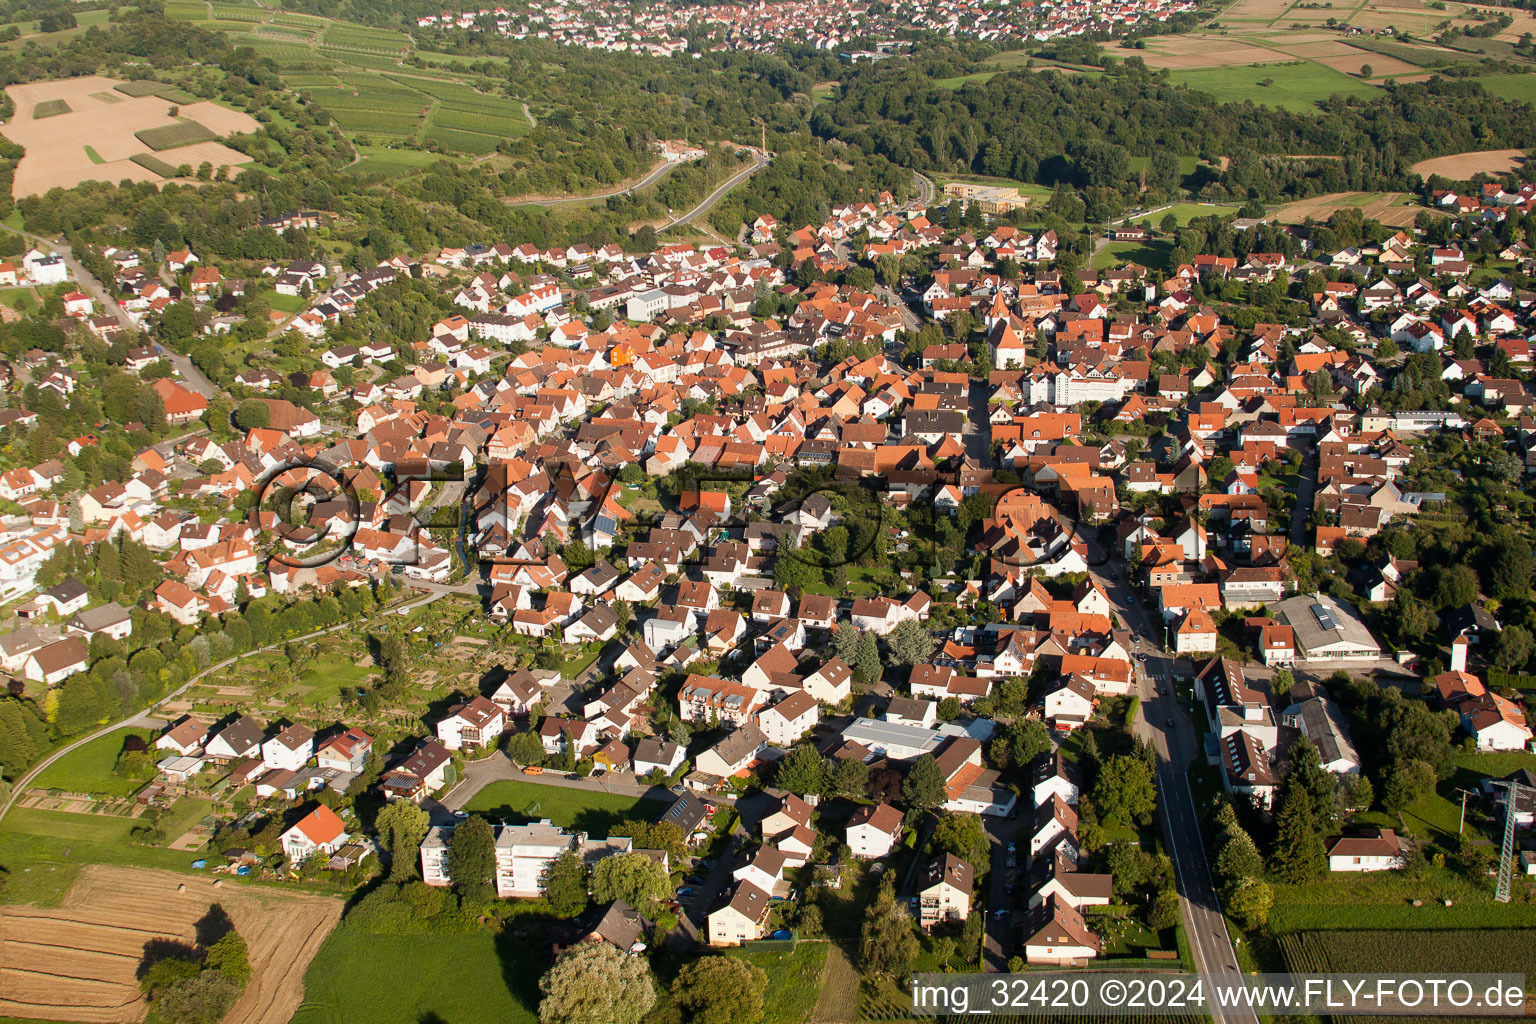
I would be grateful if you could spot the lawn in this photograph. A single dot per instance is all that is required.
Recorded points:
(1384, 900)
(1510, 87)
(1153, 255)
(382, 162)
(407, 979)
(88, 769)
(1297, 87)
(577, 664)
(43, 850)
(1186, 212)
(594, 813)
(287, 303)
(794, 981)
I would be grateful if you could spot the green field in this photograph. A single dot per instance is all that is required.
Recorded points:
(591, 812)
(88, 769)
(43, 850)
(1152, 255)
(1292, 86)
(1510, 951)
(150, 162)
(50, 108)
(174, 135)
(464, 142)
(381, 162)
(1510, 87)
(407, 979)
(1186, 212)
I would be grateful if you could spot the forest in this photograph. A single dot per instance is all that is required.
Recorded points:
(1087, 132)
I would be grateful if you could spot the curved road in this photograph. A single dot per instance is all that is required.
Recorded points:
(758, 163)
(651, 178)
(143, 718)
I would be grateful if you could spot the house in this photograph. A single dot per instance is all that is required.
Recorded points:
(476, 723)
(734, 753)
(944, 892)
(742, 919)
(56, 662)
(290, 749)
(346, 752)
(1374, 849)
(422, 773)
(238, 740)
(320, 831)
(111, 619)
(1055, 876)
(1055, 933)
(1196, 633)
(67, 598)
(1494, 722)
(1053, 822)
(658, 755)
(186, 737)
(873, 830)
(1053, 775)
(785, 722)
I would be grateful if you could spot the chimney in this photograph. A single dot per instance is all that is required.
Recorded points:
(1459, 653)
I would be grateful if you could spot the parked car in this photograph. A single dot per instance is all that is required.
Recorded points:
(533, 769)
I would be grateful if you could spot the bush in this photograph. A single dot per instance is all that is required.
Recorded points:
(204, 999)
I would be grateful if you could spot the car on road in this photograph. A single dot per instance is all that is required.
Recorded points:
(683, 892)
(1170, 721)
(461, 815)
(1141, 657)
(1000, 913)
(533, 769)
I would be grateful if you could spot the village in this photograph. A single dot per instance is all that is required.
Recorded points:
(875, 556)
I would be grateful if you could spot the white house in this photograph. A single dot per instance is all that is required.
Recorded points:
(785, 722)
(320, 831)
(289, 749)
(1376, 849)
(474, 724)
(873, 830)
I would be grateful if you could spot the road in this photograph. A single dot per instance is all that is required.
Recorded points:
(1167, 726)
(95, 289)
(147, 718)
(651, 178)
(997, 945)
(758, 163)
(925, 189)
(1306, 489)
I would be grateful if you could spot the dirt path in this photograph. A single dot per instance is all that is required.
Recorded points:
(839, 999)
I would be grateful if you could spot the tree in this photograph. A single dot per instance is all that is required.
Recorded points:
(253, 414)
(963, 836)
(1028, 739)
(846, 643)
(848, 778)
(1407, 783)
(472, 859)
(595, 983)
(230, 955)
(402, 826)
(923, 788)
(1298, 855)
(566, 886)
(1306, 770)
(632, 877)
(202, 999)
(867, 664)
(721, 990)
(886, 942)
(1165, 910)
(1282, 682)
(526, 748)
(1124, 792)
(949, 709)
(1512, 648)
(1250, 902)
(1366, 71)
(1237, 857)
(802, 770)
(910, 642)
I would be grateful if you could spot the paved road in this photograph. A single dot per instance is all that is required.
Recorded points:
(1306, 489)
(925, 189)
(95, 289)
(663, 168)
(997, 946)
(910, 321)
(1165, 724)
(758, 163)
(147, 717)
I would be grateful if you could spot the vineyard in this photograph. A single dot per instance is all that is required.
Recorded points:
(150, 162)
(174, 135)
(1507, 950)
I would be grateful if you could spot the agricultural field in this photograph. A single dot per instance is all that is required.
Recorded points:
(1462, 166)
(186, 133)
(113, 130)
(1293, 86)
(78, 962)
(88, 769)
(1511, 87)
(1498, 951)
(1397, 209)
(50, 108)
